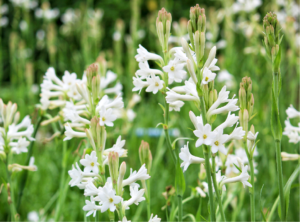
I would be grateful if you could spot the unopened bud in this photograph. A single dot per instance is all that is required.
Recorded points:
(288, 156)
(197, 46)
(211, 99)
(96, 87)
(113, 164)
(145, 155)
(121, 177)
(251, 105)
(242, 95)
(190, 68)
(215, 95)
(191, 33)
(245, 120)
(202, 44)
(91, 72)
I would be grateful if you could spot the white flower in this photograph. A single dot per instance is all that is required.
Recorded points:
(90, 162)
(154, 219)
(243, 178)
(144, 55)
(245, 5)
(31, 165)
(237, 134)
(70, 133)
(108, 199)
(91, 207)
(13, 132)
(154, 84)
(205, 135)
(208, 76)
(218, 142)
(118, 148)
(175, 71)
(138, 84)
(76, 175)
(134, 176)
(33, 216)
(225, 77)
(145, 70)
(20, 146)
(293, 136)
(211, 60)
(107, 116)
(292, 112)
(136, 196)
(229, 122)
(219, 179)
(230, 164)
(289, 156)
(196, 120)
(188, 158)
(175, 105)
(91, 189)
(201, 192)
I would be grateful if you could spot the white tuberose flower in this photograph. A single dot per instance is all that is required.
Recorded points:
(154, 219)
(208, 76)
(108, 199)
(143, 55)
(205, 135)
(90, 163)
(218, 142)
(154, 84)
(175, 71)
(188, 158)
(292, 112)
(134, 176)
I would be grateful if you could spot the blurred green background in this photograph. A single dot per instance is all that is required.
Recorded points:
(75, 33)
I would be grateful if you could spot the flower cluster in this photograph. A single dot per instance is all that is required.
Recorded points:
(15, 137)
(292, 132)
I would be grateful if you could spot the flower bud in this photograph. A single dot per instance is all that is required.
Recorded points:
(242, 95)
(121, 177)
(202, 44)
(113, 164)
(96, 87)
(90, 137)
(163, 27)
(145, 155)
(191, 34)
(197, 46)
(211, 99)
(190, 68)
(91, 72)
(251, 105)
(245, 120)
(287, 156)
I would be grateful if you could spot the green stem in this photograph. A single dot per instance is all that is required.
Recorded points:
(25, 172)
(12, 207)
(62, 191)
(206, 152)
(277, 138)
(219, 198)
(148, 199)
(252, 196)
(179, 208)
(166, 129)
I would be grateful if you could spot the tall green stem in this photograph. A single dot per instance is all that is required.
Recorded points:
(206, 152)
(277, 138)
(62, 182)
(252, 196)
(217, 190)
(10, 192)
(179, 207)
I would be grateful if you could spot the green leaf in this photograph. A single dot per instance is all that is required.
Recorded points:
(261, 206)
(277, 60)
(162, 107)
(190, 216)
(275, 121)
(287, 187)
(179, 178)
(160, 124)
(237, 167)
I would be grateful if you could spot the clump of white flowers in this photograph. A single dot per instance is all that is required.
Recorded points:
(15, 137)
(90, 119)
(292, 132)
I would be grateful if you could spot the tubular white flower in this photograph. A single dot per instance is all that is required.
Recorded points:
(211, 60)
(145, 71)
(175, 71)
(90, 162)
(108, 199)
(91, 207)
(154, 219)
(13, 132)
(91, 189)
(293, 136)
(205, 135)
(109, 78)
(172, 96)
(70, 133)
(175, 105)
(289, 156)
(292, 112)
(243, 178)
(136, 197)
(144, 55)
(186, 49)
(20, 146)
(230, 163)
(179, 54)
(154, 84)
(188, 158)
(237, 134)
(218, 142)
(208, 76)
(139, 84)
(117, 89)
(229, 122)
(134, 176)
(196, 120)
(190, 67)
(107, 116)
(230, 106)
